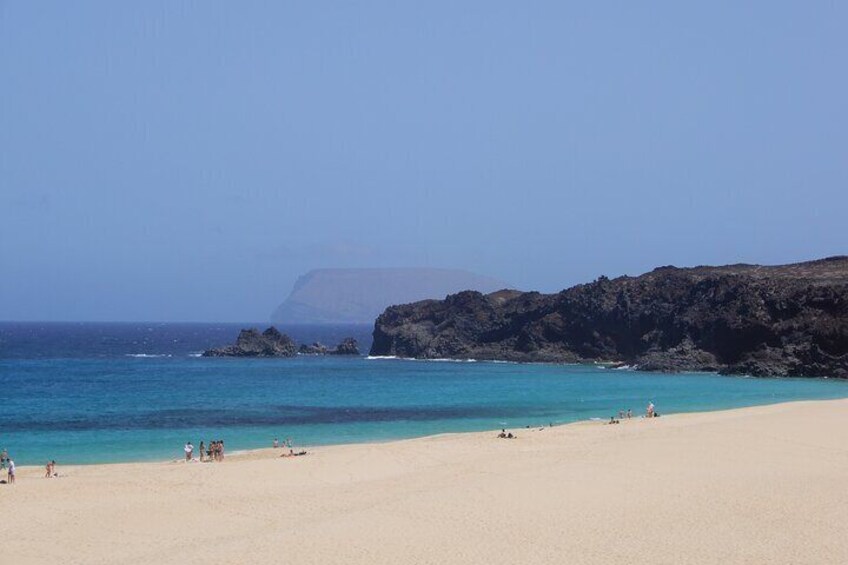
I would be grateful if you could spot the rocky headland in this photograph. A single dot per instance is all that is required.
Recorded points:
(272, 343)
(787, 320)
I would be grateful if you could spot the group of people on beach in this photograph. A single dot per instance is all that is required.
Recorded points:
(213, 452)
(8, 464)
(287, 445)
(650, 412)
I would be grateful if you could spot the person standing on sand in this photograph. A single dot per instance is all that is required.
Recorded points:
(276, 443)
(201, 450)
(189, 449)
(10, 478)
(649, 413)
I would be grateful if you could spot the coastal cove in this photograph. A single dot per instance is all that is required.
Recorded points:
(144, 405)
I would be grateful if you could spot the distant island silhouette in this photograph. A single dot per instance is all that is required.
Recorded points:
(336, 296)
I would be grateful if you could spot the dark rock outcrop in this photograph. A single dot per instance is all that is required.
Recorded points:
(348, 346)
(789, 320)
(316, 348)
(251, 343)
(272, 343)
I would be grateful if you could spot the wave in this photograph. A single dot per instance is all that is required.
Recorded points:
(147, 355)
(196, 354)
(437, 360)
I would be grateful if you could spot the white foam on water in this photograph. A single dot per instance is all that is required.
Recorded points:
(147, 355)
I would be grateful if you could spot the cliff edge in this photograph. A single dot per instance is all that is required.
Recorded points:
(787, 320)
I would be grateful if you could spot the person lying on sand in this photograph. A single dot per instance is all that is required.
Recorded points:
(294, 453)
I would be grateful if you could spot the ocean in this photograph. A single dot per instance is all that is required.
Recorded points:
(100, 393)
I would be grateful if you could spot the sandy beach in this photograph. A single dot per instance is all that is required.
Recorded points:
(754, 485)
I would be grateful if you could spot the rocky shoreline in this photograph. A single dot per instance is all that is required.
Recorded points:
(788, 320)
(272, 343)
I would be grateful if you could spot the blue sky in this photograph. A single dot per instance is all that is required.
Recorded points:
(188, 160)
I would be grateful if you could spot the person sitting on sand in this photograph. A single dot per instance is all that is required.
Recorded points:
(613, 420)
(502, 434)
(510, 436)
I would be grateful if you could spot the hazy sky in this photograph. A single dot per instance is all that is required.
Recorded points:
(188, 160)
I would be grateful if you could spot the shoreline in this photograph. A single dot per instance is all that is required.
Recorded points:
(762, 484)
(251, 454)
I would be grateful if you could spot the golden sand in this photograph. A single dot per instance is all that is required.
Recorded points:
(756, 485)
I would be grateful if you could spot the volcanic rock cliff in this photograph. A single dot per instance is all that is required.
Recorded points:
(788, 320)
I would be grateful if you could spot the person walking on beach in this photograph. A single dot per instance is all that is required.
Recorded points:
(10, 478)
(189, 449)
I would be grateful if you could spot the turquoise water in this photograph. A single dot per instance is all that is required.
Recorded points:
(113, 407)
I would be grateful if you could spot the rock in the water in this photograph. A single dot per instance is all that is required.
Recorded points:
(789, 320)
(314, 349)
(272, 343)
(348, 346)
(251, 343)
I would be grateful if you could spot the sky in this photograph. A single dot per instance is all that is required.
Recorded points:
(187, 161)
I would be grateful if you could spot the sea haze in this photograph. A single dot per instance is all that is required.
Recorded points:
(87, 393)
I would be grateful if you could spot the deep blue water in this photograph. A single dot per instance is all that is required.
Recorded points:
(83, 394)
